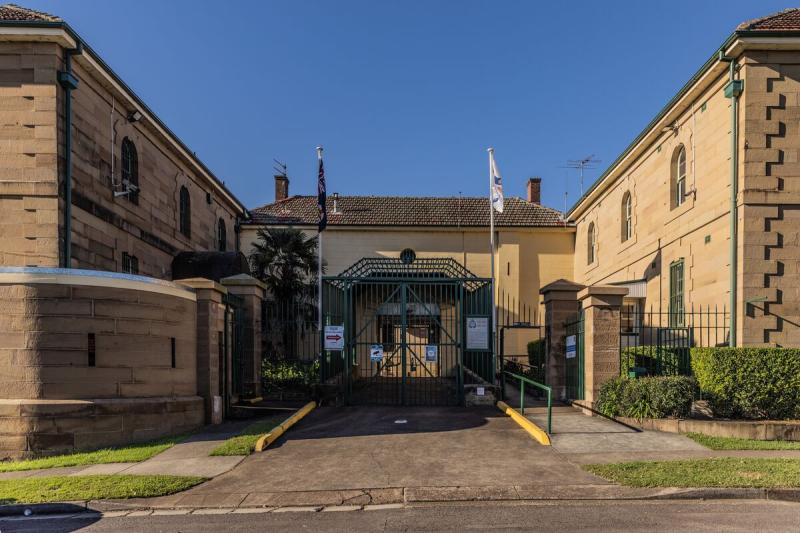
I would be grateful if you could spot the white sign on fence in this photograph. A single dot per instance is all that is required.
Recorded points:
(376, 353)
(571, 346)
(334, 338)
(477, 333)
(431, 353)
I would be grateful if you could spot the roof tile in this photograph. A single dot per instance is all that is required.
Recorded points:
(788, 19)
(13, 12)
(406, 211)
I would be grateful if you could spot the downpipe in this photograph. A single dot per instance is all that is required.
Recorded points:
(68, 81)
(733, 89)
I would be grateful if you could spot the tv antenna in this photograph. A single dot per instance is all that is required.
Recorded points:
(588, 162)
(280, 168)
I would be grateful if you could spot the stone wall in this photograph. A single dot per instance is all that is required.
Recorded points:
(91, 359)
(29, 221)
(769, 230)
(695, 231)
(104, 226)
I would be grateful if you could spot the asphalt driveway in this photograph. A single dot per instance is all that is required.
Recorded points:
(390, 447)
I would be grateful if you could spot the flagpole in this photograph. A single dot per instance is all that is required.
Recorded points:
(319, 272)
(491, 244)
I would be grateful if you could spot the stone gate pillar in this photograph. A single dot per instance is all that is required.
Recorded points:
(210, 344)
(252, 291)
(560, 306)
(601, 321)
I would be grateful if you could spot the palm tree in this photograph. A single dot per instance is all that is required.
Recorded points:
(285, 259)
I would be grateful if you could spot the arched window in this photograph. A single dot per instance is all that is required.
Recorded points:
(222, 237)
(678, 182)
(627, 216)
(591, 244)
(185, 212)
(130, 170)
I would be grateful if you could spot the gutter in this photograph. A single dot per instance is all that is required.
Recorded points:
(69, 82)
(215, 181)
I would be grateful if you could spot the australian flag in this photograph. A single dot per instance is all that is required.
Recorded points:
(322, 196)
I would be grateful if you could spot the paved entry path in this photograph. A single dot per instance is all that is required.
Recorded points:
(345, 454)
(595, 439)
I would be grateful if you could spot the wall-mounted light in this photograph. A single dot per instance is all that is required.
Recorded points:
(134, 116)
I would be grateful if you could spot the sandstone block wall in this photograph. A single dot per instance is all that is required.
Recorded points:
(104, 226)
(92, 360)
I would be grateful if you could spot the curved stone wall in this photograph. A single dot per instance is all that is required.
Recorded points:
(92, 359)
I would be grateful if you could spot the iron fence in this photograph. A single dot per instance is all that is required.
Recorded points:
(656, 343)
(290, 330)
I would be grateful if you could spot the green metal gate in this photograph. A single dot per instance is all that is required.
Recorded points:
(404, 332)
(575, 372)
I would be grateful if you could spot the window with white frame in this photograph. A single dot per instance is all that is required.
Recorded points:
(627, 216)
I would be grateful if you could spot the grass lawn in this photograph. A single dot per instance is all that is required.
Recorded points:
(729, 443)
(133, 453)
(717, 472)
(245, 442)
(73, 488)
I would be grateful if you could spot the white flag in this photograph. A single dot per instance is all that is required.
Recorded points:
(497, 186)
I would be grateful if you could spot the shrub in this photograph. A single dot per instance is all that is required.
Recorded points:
(536, 352)
(658, 360)
(749, 382)
(281, 375)
(651, 397)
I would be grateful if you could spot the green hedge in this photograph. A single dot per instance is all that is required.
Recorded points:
(749, 382)
(536, 352)
(658, 360)
(650, 397)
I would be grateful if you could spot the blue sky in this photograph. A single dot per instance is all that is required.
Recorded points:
(405, 96)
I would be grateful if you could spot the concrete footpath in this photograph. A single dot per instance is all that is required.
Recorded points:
(390, 457)
(187, 458)
(361, 457)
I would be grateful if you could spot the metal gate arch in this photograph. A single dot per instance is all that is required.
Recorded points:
(405, 331)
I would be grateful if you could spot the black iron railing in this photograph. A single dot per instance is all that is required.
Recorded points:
(656, 343)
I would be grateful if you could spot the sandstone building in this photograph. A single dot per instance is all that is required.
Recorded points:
(658, 221)
(138, 194)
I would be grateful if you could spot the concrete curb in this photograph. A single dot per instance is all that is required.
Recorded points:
(273, 435)
(535, 431)
(43, 508)
(415, 496)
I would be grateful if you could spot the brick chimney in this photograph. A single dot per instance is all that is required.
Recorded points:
(535, 190)
(281, 188)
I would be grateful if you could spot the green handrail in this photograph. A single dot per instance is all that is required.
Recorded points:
(548, 390)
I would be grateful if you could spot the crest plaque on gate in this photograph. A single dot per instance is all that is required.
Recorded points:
(477, 333)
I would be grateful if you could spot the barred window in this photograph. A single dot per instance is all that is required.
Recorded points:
(130, 170)
(130, 263)
(222, 237)
(185, 215)
(676, 303)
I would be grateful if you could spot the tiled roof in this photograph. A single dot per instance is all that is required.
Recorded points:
(406, 211)
(788, 19)
(13, 12)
